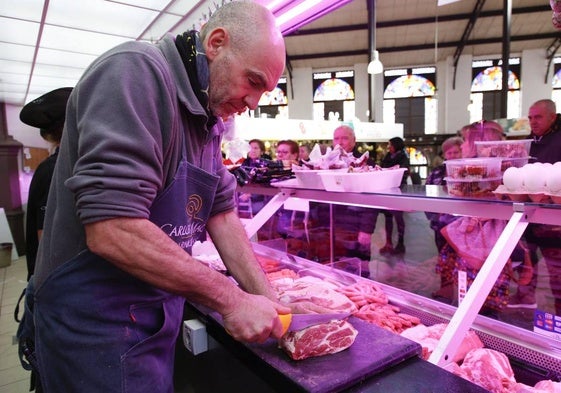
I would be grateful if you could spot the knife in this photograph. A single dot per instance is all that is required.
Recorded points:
(294, 322)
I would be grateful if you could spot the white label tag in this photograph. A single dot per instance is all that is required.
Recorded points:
(462, 285)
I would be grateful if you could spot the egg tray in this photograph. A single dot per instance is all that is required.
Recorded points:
(504, 193)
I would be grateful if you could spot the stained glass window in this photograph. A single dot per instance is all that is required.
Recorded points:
(274, 97)
(410, 86)
(334, 89)
(492, 79)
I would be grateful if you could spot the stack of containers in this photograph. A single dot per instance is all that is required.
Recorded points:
(513, 153)
(473, 177)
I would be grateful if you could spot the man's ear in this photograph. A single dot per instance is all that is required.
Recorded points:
(217, 39)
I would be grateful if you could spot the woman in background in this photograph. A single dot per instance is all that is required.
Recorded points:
(396, 156)
(449, 262)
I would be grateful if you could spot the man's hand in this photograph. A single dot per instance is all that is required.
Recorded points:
(255, 319)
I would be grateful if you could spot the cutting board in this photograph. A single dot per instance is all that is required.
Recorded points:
(374, 350)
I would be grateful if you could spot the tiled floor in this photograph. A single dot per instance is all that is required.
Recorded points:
(13, 378)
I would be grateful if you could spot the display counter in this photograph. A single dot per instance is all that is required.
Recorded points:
(378, 361)
(521, 345)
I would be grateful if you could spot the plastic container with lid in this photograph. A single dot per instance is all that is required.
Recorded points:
(473, 168)
(517, 162)
(512, 148)
(472, 187)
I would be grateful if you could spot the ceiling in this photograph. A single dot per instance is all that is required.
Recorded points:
(47, 44)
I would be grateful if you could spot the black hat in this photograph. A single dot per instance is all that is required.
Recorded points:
(47, 111)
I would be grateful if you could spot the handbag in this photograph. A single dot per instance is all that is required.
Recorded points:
(473, 238)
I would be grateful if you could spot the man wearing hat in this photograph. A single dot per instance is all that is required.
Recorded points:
(46, 113)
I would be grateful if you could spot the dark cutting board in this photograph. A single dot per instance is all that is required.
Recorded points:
(374, 350)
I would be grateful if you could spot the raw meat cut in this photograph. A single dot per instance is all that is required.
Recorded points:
(429, 337)
(319, 340)
(489, 369)
(318, 294)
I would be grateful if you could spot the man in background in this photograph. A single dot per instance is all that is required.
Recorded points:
(545, 124)
(46, 113)
(358, 222)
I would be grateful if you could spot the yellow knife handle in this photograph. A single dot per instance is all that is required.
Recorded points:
(285, 321)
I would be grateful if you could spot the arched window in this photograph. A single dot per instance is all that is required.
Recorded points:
(274, 104)
(485, 95)
(410, 99)
(274, 97)
(334, 96)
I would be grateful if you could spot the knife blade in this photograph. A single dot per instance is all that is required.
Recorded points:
(294, 322)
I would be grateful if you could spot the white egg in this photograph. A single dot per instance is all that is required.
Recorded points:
(534, 178)
(513, 178)
(553, 179)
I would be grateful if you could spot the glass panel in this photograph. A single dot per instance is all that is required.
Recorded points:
(475, 108)
(431, 112)
(389, 111)
(348, 111)
(513, 104)
(556, 97)
(556, 80)
(318, 110)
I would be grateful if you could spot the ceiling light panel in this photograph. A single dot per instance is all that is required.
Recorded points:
(18, 31)
(160, 27)
(71, 59)
(16, 52)
(184, 7)
(103, 16)
(22, 9)
(150, 4)
(78, 41)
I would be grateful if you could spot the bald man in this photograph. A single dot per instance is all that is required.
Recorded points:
(139, 180)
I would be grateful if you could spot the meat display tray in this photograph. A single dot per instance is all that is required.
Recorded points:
(374, 350)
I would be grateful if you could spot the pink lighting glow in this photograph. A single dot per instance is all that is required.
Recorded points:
(293, 14)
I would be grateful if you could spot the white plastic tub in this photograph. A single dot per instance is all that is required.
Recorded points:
(309, 178)
(372, 181)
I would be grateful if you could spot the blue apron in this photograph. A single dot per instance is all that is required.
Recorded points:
(114, 332)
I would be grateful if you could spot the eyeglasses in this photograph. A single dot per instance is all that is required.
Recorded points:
(283, 152)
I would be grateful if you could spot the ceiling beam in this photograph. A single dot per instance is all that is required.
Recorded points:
(408, 48)
(417, 21)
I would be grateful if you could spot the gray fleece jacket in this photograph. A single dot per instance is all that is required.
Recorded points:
(122, 144)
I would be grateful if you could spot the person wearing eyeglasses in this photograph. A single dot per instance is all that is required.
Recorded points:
(287, 151)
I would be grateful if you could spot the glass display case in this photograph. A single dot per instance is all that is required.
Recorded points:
(518, 342)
